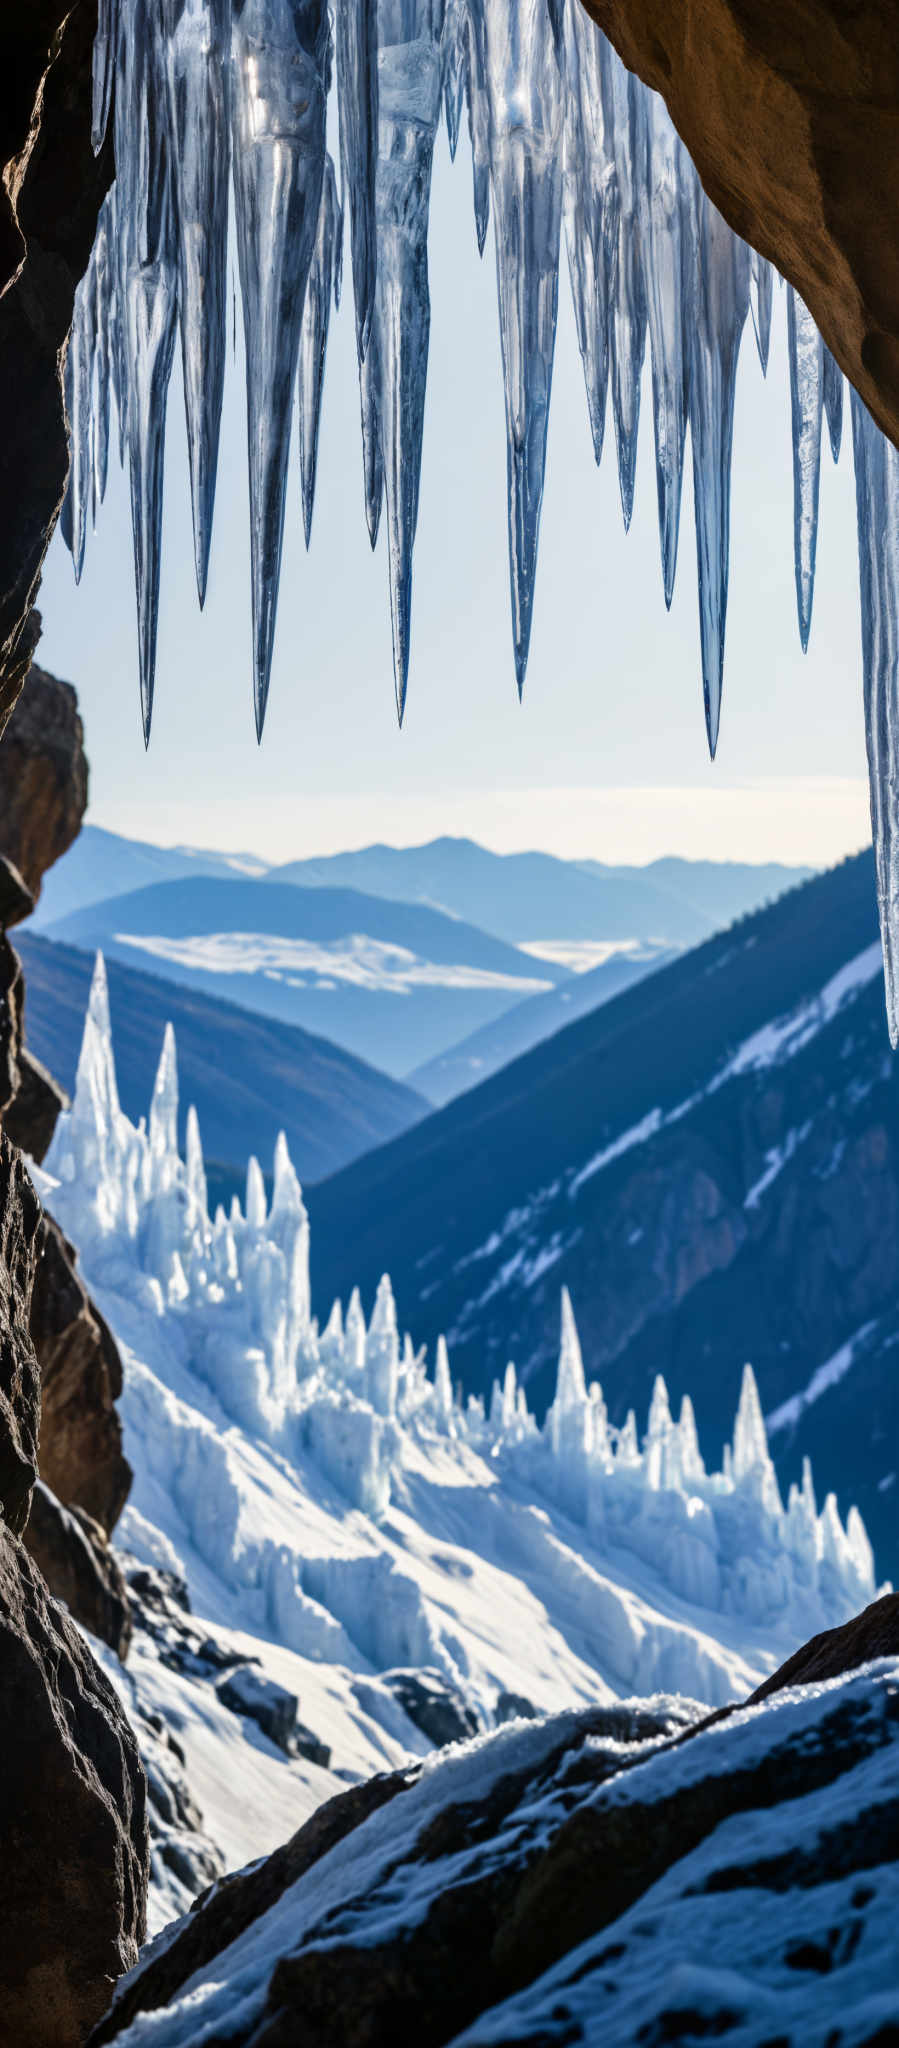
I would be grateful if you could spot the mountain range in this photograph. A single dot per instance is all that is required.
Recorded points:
(247, 1076)
(400, 955)
(710, 1162)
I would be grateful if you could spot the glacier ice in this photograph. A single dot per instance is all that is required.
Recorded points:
(557, 128)
(234, 1295)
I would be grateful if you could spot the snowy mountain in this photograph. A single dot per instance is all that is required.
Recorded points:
(527, 1023)
(341, 1517)
(525, 897)
(394, 983)
(248, 1076)
(710, 1162)
(101, 864)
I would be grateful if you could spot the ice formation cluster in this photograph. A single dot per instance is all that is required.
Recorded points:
(208, 92)
(356, 1399)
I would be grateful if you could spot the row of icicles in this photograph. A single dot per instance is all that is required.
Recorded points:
(212, 93)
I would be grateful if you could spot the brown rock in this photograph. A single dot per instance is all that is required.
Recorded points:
(81, 1377)
(72, 1552)
(875, 1633)
(16, 901)
(30, 1118)
(43, 779)
(51, 189)
(20, 1387)
(73, 1874)
(791, 115)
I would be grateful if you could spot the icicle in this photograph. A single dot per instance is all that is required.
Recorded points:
(454, 71)
(833, 401)
(79, 371)
(722, 305)
(761, 298)
(409, 85)
(526, 103)
(198, 34)
(101, 275)
(103, 69)
(314, 334)
(806, 352)
(279, 64)
(628, 326)
(668, 208)
(372, 463)
(475, 63)
(357, 92)
(590, 204)
(148, 305)
(877, 504)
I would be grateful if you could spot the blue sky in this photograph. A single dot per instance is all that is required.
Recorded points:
(607, 755)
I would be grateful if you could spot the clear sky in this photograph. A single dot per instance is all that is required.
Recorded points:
(607, 755)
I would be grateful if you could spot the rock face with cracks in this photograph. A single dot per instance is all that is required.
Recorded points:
(501, 1898)
(791, 115)
(73, 1873)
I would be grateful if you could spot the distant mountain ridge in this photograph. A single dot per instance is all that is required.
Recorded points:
(394, 983)
(247, 1076)
(527, 896)
(710, 1161)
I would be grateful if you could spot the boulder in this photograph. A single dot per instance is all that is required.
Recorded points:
(73, 1874)
(30, 1118)
(43, 782)
(81, 1455)
(432, 1705)
(16, 900)
(274, 1709)
(72, 1551)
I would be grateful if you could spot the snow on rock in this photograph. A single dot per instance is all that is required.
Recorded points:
(344, 1512)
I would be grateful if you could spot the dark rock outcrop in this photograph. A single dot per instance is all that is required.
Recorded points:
(432, 1705)
(791, 115)
(259, 1699)
(43, 780)
(538, 1848)
(51, 189)
(72, 1551)
(20, 1386)
(81, 1455)
(73, 1873)
(875, 1633)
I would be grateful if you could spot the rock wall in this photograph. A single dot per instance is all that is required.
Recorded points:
(791, 115)
(51, 189)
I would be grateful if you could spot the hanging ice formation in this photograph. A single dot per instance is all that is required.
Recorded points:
(557, 129)
(235, 1289)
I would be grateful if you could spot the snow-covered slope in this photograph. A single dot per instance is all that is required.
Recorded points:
(336, 1508)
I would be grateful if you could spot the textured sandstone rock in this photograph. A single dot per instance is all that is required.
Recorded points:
(43, 779)
(73, 1872)
(791, 114)
(20, 1387)
(72, 1552)
(51, 188)
(81, 1377)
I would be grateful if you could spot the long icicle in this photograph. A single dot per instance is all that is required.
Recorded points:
(198, 37)
(806, 353)
(722, 303)
(280, 56)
